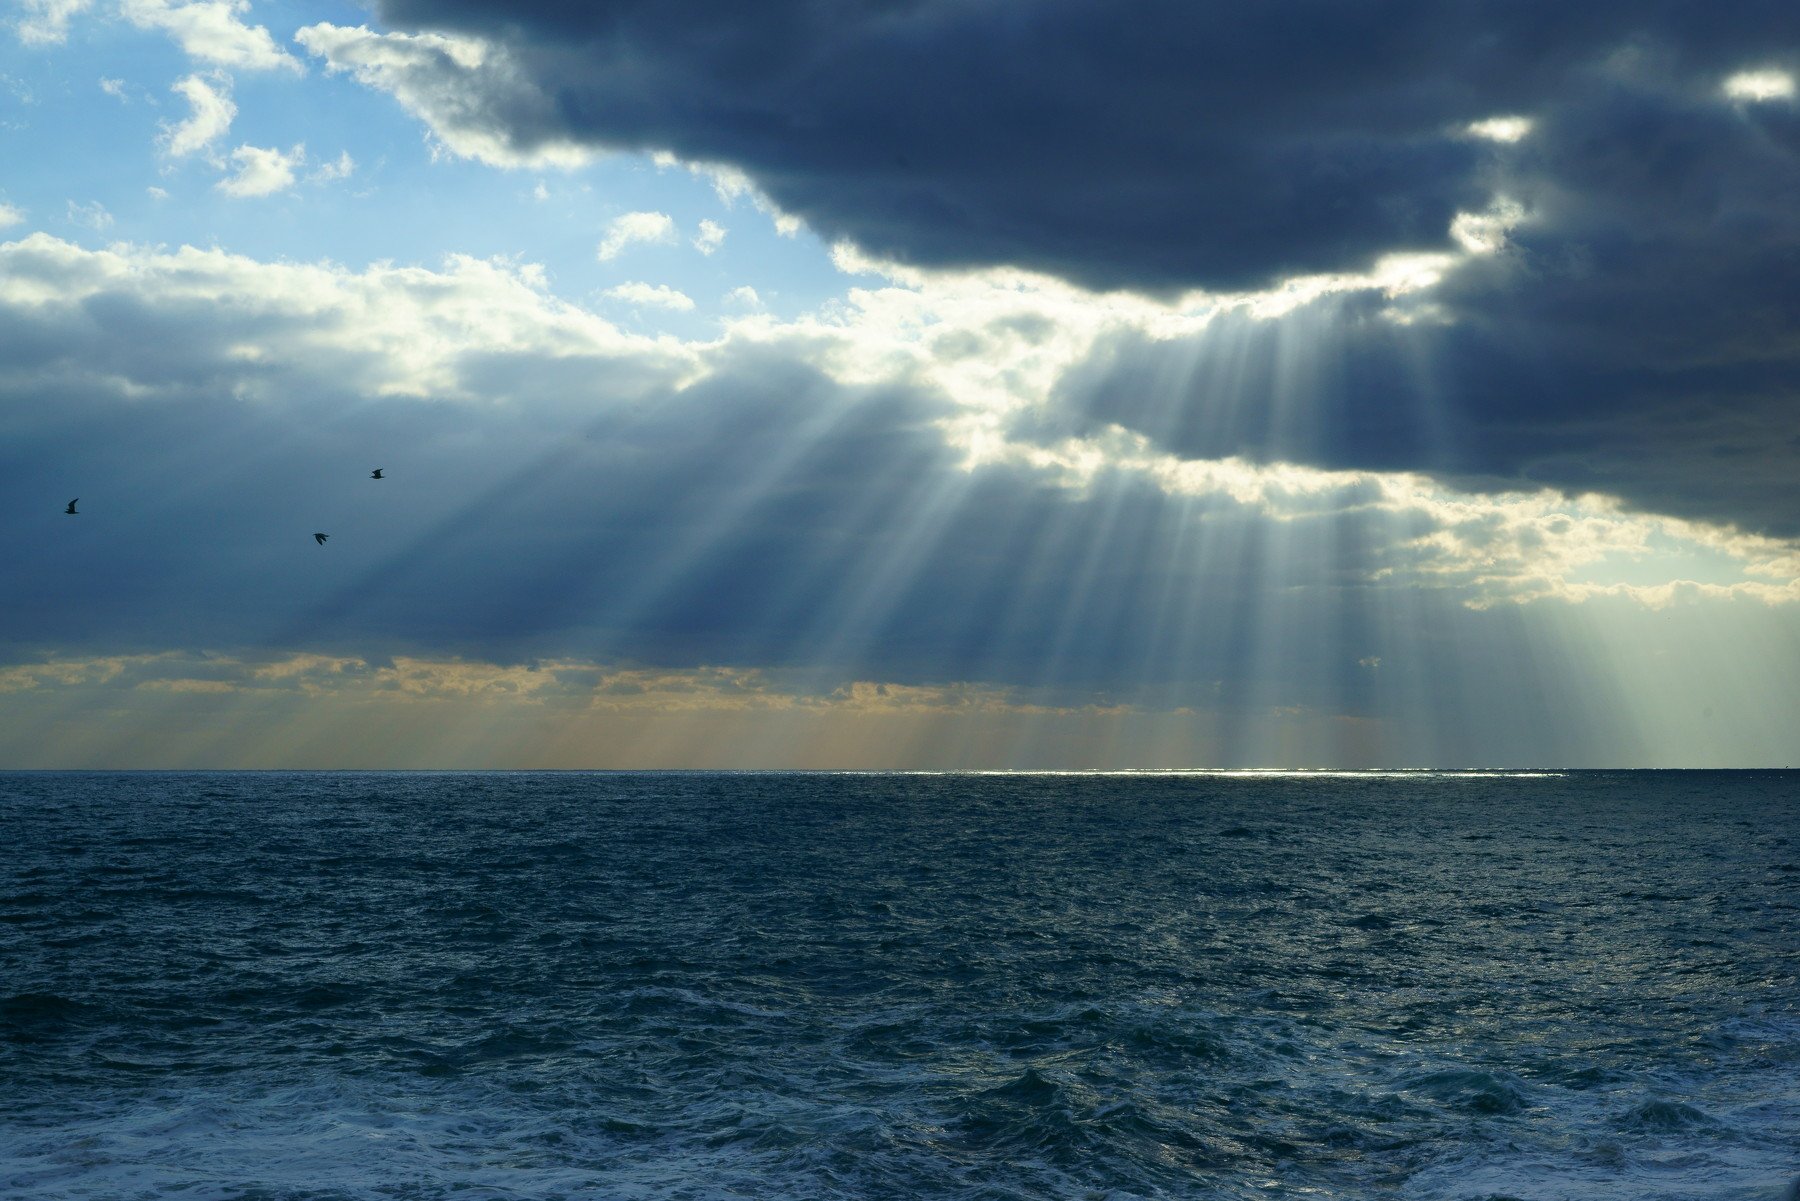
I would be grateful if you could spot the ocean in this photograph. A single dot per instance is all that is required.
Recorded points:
(799, 986)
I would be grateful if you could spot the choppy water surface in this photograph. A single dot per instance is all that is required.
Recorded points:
(768, 986)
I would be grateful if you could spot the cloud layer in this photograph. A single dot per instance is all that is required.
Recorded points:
(795, 511)
(784, 487)
(1156, 143)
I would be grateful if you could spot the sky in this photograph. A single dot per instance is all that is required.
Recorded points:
(907, 384)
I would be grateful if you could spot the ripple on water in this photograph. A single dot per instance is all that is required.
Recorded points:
(371, 987)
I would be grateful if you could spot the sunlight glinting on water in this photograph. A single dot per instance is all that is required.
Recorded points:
(1233, 773)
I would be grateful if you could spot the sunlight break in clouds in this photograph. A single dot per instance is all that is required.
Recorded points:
(1500, 129)
(1760, 86)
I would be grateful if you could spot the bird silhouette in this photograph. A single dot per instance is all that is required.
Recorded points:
(320, 538)
(375, 474)
(71, 509)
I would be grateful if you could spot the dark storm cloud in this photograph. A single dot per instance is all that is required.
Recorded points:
(1148, 144)
(1507, 398)
(1638, 335)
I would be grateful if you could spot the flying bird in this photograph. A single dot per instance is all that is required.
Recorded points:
(71, 509)
(320, 538)
(375, 474)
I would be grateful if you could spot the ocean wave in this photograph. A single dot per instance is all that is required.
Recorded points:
(363, 988)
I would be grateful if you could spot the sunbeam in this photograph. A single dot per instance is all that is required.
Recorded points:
(1131, 527)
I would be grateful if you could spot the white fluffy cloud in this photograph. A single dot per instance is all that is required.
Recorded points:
(10, 215)
(212, 112)
(342, 167)
(93, 214)
(634, 228)
(710, 237)
(262, 171)
(46, 22)
(654, 296)
(386, 331)
(212, 31)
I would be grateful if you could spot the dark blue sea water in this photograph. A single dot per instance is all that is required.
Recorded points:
(898, 986)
